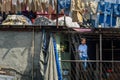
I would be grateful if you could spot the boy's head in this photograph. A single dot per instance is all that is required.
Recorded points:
(83, 41)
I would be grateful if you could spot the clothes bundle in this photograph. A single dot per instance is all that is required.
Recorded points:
(43, 21)
(16, 20)
(67, 21)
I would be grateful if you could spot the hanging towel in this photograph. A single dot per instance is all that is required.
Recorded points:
(18, 5)
(57, 61)
(42, 56)
(51, 68)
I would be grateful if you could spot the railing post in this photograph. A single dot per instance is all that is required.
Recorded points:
(97, 63)
(112, 55)
(100, 56)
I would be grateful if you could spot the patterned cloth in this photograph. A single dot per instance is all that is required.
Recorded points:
(81, 9)
(43, 21)
(16, 20)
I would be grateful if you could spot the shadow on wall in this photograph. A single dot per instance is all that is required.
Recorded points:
(15, 53)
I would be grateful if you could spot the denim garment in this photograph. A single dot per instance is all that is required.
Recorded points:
(108, 11)
(64, 4)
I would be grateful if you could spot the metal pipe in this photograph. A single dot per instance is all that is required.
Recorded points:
(97, 58)
(103, 61)
(57, 14)
(100, 56)
(112, 55)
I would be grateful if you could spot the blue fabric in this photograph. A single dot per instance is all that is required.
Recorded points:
(108, 22)
(64, 4)
(57, 61)
(108, 13)
(44, 41)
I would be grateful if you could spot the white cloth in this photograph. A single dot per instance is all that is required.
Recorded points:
(68, 22)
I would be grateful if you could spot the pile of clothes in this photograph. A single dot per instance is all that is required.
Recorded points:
(67, 21)
(16, 20)
(42, 20)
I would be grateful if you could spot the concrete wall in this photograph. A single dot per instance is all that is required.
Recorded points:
(15, 51)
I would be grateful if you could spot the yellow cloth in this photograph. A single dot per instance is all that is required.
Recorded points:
(77, 8)
(82, 9)
(77, 17)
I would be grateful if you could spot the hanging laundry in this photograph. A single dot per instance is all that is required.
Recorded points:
(3, 6)
(18, 5)
(107, 12)
(42, 55)
(65, 5)
(92, 6)
(0, 5)
(52, 6)
(23, 5)
(33, 6)
(49, 62)
(8, 5)
(110, 1)
(77, 16)
(118, 22)
(38, 6)
(81, 9)
(44, 1)
(14, 6)
(57, 60)
(28, 5)
(77, 8)
(51, 68)
(44, 6)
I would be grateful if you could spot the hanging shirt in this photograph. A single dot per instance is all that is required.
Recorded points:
(83, 51)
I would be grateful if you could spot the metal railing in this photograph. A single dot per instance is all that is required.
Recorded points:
(95, 70)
